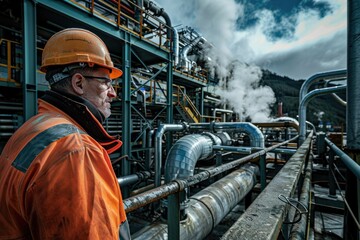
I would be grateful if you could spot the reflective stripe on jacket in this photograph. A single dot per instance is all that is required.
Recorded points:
(57, 182)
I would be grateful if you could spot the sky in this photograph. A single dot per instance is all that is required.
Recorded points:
(293, 38)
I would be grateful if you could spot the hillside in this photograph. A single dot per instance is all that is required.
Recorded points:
(287, 90)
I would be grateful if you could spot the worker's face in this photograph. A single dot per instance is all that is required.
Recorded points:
(98, 90)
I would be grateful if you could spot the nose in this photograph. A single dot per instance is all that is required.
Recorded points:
(111, 92)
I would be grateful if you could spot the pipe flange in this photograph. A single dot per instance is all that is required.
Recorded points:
(181, 183)
(186, 126)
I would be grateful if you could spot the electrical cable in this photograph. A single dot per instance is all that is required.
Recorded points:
(292, 202)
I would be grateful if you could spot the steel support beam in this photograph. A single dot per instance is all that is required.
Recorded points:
(29, 80)
(79, 14)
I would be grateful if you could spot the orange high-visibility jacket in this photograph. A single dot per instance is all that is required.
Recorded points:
(57, 182)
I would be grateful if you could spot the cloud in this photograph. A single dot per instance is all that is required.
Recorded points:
(308, 39)
(303, 33)
(313, 36)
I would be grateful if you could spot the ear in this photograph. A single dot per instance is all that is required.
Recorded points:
(77, 83)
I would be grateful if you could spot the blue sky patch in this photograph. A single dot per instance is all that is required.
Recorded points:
(284, 12)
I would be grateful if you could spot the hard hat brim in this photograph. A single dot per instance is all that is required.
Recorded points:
(115, 73)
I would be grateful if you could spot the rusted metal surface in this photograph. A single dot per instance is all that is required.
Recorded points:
(265, 216)
(152, 195)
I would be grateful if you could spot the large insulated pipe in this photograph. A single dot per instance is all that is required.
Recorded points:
(176, 47)
(208, 207)
(254, 133)
(305, 101)
(337, 74)
(165, 190)
(158, 11)
(185, 50)
(185, 153)
(158, 146)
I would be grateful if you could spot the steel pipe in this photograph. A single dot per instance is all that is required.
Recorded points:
(222, 111)
(158, 146)
(349, 162)
(165, 190)
(208, 207)
(184, 155)
(133, 178)
(306, 100)
(337, 74)
(254, 133)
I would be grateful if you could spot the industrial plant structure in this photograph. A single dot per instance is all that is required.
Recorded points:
(188, 168)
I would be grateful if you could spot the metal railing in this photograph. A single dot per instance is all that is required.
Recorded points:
(9, 61)
(132, 18)
(187, 105)
(351, 165)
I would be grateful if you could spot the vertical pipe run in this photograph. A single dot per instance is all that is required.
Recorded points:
(158, 146)
(353, 86)
(353, 116)
(263, 171)
(126, 109)
(304, 103)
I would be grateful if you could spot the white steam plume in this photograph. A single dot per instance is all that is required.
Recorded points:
(239, 85)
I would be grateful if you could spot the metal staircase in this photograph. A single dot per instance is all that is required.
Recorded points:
(186, 107)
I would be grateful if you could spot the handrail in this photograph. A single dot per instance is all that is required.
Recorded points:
(186, 101)
(9, 56)
(203, 74)
(118, 12)
(348, 161)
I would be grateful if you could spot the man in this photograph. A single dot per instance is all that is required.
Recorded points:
(56, 178)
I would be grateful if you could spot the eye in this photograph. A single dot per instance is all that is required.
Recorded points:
(108, 83)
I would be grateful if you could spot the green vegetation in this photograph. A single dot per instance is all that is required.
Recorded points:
(287, 91)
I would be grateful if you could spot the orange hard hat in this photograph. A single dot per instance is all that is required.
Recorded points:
(75, 45)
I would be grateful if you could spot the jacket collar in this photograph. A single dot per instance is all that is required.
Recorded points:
(86, 115)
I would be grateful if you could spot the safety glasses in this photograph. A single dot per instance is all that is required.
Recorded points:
(104, 80)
